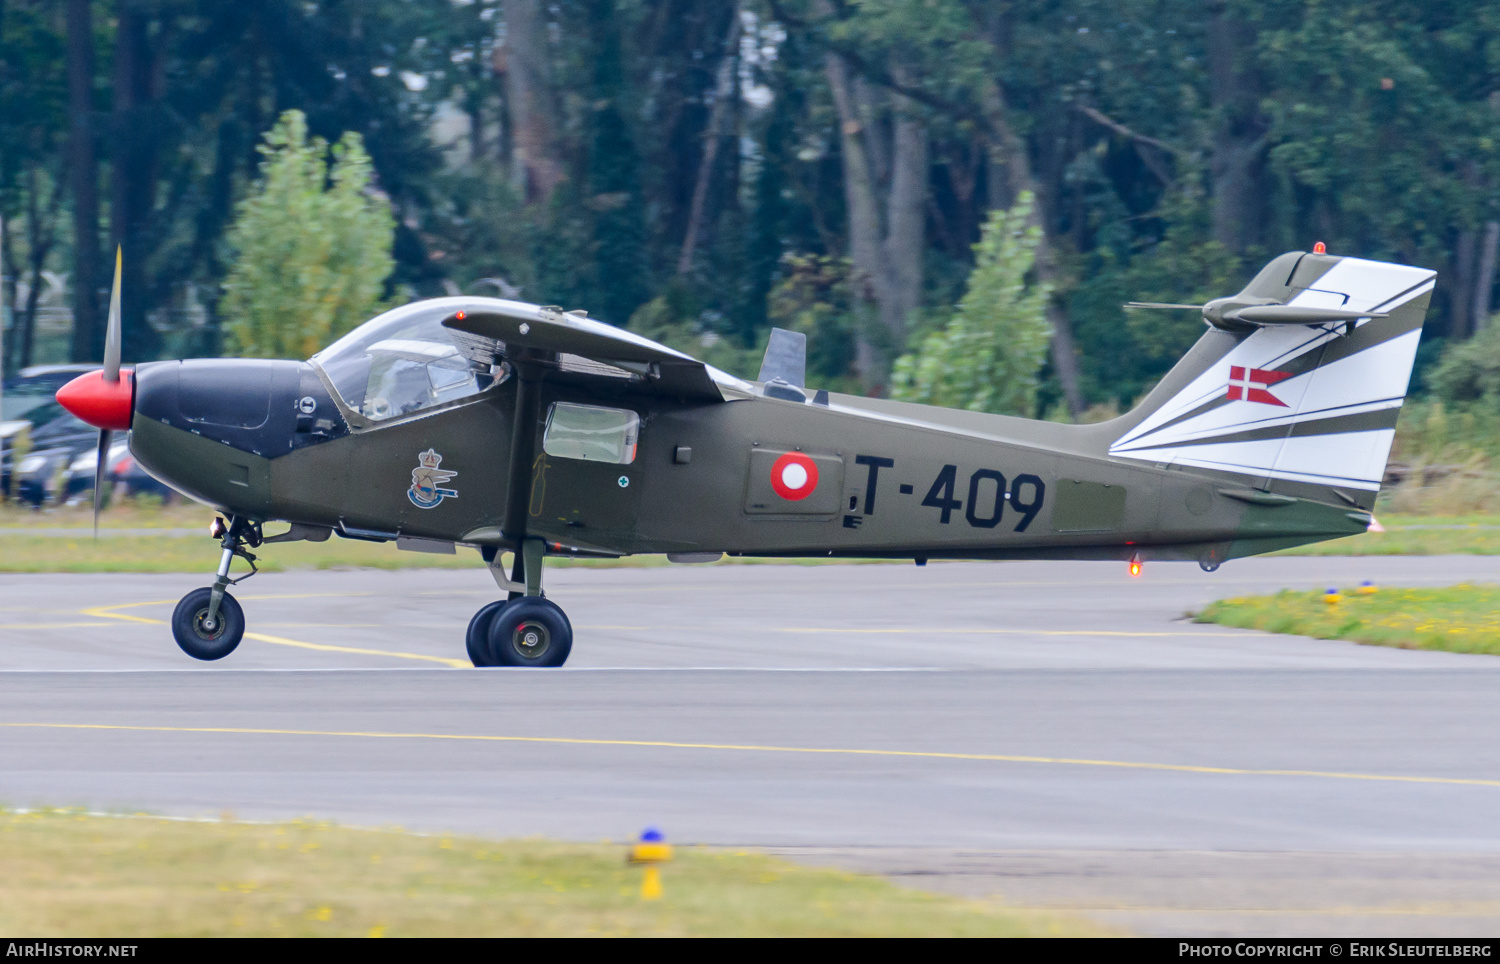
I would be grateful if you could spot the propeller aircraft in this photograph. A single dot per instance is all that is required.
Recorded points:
(516, 428)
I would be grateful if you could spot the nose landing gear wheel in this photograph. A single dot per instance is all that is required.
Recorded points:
(478, 637)
(530, 631)
(204, 638)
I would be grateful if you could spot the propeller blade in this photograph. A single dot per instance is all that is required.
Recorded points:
(99, 466)
(112, 332)
(1158, 304)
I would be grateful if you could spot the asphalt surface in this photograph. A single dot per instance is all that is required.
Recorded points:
(1052, 733)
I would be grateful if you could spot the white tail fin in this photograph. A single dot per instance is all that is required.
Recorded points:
(1313, 403)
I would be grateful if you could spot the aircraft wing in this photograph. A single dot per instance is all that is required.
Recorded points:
(591, 348)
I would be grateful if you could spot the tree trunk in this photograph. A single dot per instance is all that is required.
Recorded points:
(906, 220)
(536, 167)
(1009, 155)
(1484, 280)
(724, 88)
(41, 235)
(886, 250)
(7, 296)
(1237, 164)
(1462, 297)
(133, 143)
(83, 176)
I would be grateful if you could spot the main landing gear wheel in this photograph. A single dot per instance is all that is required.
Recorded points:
(478, 637)
(204, 638)
(530, 631)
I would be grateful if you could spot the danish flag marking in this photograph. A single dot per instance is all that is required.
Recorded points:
(1251, 384)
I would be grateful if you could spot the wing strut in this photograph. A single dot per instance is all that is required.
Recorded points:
(522, 457)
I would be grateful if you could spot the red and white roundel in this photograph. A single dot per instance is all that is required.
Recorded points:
(794, 476)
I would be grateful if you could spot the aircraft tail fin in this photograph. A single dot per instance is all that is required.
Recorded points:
(1277, 391)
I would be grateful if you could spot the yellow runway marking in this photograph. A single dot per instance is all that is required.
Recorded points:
(52, 625)
(109, 612)
(105, 612)
(758, 748)
(1483, 910)
(324, 647)
(305, 595)
(1008, 632)
(937, 632)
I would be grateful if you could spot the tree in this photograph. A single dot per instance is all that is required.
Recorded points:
(34, 129)
(531, 96)
(986, 359)
(135, 136)
(313, 243)
(83, 174)
(614, 181)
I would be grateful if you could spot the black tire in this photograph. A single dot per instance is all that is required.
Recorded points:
(531, 631)
(477, 639)
(188, 620)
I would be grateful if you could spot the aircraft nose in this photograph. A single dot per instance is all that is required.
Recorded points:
(100, 403)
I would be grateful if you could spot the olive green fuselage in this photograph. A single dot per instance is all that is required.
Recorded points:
(892, 479)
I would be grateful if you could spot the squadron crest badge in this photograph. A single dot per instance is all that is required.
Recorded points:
(427, 481)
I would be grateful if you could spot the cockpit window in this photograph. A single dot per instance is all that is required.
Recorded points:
(404, 361)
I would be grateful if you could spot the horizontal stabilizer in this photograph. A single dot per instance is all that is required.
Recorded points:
(1296, 315)
(1222, 310)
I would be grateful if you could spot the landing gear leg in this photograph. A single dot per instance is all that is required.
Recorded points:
(529, 629)
(208, 623)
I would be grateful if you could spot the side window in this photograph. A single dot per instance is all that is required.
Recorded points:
(591, 433)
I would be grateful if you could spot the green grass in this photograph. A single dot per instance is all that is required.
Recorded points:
(1458, 619)
(65, 873)
(158, 554)
(1473, 535)
(19, 552)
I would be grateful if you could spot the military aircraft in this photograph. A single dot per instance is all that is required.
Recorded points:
(525, 429)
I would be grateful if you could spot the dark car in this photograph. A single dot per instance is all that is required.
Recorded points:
(37, 474)
(123, 473)
(56, 440)
(36, 385)
(55, 436)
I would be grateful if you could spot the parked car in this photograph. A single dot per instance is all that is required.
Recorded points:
(36, 385)
(123, 474)
(54, 436)
(56, 440)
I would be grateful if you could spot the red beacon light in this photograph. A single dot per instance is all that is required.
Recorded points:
(1320, 248)
(1135, 564)
(460, 315)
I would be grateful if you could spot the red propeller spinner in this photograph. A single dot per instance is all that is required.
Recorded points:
(101, 403)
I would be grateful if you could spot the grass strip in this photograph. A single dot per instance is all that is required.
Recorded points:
(19, 552)
(67, 873)
(1456, 619)
(1467, 538)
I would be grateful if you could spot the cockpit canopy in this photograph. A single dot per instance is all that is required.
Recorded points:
(405, 361)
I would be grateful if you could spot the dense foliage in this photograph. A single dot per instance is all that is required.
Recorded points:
(705, 169)
(312, 247)
(987, 357)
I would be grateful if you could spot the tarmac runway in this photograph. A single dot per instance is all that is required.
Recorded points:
(1052, 733)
